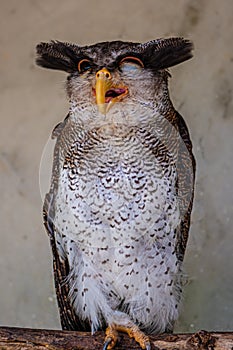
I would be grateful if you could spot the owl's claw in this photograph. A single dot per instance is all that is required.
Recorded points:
(107, 343)
(133, 332)
(111, 337)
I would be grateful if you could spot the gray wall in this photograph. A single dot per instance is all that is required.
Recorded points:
(33, 101)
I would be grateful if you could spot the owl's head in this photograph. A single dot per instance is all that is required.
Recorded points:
(110, 72)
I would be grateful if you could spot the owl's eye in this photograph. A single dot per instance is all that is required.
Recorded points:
(84, 65)
(131, 63)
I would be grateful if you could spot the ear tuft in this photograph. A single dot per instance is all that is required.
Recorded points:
(165, 53)
(57, 55)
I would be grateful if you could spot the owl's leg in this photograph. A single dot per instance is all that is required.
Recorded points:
(131, 329)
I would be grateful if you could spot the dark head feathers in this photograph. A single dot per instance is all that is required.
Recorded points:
(156, 54)
(165, 53)
(57, 55)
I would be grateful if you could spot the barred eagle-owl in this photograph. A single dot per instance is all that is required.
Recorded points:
(119, 205)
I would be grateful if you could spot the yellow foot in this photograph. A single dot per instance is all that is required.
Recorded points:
(131, 329)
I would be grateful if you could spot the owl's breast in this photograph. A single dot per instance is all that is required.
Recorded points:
(113, 188)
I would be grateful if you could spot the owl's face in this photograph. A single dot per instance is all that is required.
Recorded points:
(110, 72)
(104, 78)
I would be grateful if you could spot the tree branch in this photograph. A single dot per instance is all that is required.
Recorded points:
(26, 339)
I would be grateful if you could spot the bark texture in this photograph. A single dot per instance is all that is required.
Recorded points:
(40, 339)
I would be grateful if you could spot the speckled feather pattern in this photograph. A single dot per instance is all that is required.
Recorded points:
(120, 217)
(118, 211)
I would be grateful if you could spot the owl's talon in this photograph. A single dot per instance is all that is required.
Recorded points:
(133, 332)
(141, 338)
(111, 337)
(107, 343)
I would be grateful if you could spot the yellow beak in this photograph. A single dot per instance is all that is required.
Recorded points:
(106, 92)
(103, 84)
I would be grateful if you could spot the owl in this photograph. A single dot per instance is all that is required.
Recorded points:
(119, 205)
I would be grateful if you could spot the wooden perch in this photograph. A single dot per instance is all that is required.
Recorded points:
(27, 339)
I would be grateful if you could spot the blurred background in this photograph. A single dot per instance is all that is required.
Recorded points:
(33, 101)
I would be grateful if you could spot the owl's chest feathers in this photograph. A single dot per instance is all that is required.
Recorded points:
(117, 217)
(113, 188)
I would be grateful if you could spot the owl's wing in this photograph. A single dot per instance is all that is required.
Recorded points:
(186, 168)
(69, 319)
